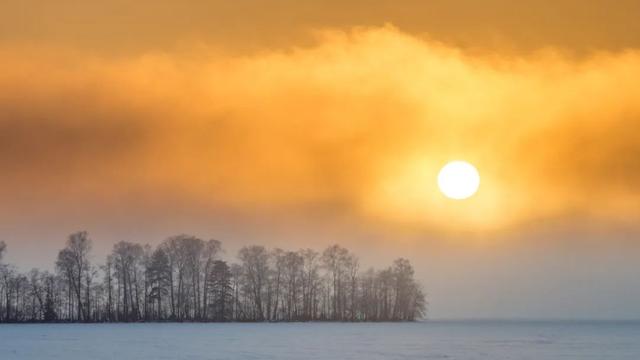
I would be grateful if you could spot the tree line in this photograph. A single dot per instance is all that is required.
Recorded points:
(185, 279)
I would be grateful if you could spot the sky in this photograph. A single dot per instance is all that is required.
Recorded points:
(304, 123)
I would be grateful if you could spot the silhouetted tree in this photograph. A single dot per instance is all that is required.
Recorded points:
(127, 261)
(209, 255)
(254, 261)
(159, 274)
(184, 279)
(221, 291)
(73, 262)
(50, 314)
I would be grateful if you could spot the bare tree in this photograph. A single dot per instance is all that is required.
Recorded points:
(73, 261)
(3, 248)
(184, 279)
(254, 261)
(236, 279)
(107, 269)
(335, 260)
(209, 255)
(127, 261)
(159, 274)
(49, 314)
(221, 291)
(293, 263)
(274, 284)
(310, 283)
(176, 249)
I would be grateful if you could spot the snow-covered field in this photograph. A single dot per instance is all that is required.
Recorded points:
(430, 340)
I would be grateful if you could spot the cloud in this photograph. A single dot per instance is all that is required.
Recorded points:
(356, 125)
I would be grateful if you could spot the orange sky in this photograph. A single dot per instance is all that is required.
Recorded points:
(296, 123)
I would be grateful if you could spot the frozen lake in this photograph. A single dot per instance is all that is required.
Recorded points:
(430, 340)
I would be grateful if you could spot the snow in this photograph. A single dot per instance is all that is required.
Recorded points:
(365, 341)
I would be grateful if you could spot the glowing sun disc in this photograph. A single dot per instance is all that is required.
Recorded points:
(458, 180)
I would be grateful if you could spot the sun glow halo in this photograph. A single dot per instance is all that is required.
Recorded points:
(458, 180)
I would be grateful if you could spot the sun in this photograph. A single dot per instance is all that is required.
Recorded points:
(458, 180)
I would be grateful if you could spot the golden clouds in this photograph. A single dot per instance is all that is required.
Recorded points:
(357, 124)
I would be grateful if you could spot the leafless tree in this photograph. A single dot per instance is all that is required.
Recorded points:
(73, 262)
(159, 277)
(221, 289)
(3, 248)
(254, 261)
(127, 262)
(185, 279)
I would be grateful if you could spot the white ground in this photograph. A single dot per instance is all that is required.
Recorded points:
(431, 340)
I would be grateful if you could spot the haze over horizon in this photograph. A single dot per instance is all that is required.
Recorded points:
(295, 124)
